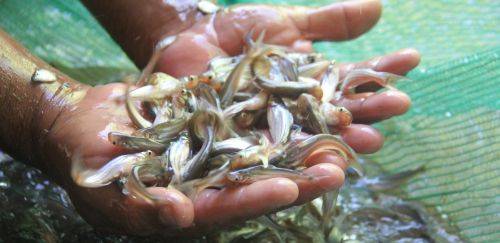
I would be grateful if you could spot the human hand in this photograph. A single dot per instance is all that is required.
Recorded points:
(99, 113)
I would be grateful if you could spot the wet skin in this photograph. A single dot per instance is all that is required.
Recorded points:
(81, 125)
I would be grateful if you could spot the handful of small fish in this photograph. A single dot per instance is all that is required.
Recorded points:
(210, 130)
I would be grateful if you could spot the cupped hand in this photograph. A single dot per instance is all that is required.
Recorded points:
(84, 128)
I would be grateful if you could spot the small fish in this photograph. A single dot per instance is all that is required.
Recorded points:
(43, 76)
(253, 155)
(207, 96)
(233, 145)
(280, 122)
(328, 210)
(388, 182)
(246, 119)
(329, 82)
(111, 171)
(194, 168)
(302, 59)
(296, 153)
(242, 96)
(358, 77)
(133, 113)
(257, 173)
(277, 229)
(161, 85)
(309, 115)
(178, 154)
(335, 116)
(214, 179)
(163, 132)
(134, 142)
(240, 74)
(353, 173)
(136, 188)
(288, 67)
(163, 113)
(314, 69)
(221, 68)
(258, 102)
(261, 67)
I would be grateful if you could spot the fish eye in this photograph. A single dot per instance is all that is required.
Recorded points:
(210, 77)
(342, 109)
(191, 78)
(114, 143)
(150, 153)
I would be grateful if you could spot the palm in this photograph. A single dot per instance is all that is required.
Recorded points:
(85, 128)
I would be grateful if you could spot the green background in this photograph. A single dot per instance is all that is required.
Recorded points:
(453, 127)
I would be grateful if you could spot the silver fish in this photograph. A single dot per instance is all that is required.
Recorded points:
(261, 68)
(134, 142)
(358, 77)
(329, 82)
(112, 170)
(296, 153)
(314, 69)
(240, 74)
(280, 121)
(163, 132)
(233, 145)
(178, 154)
(258, 102)
(203, 125)
(162, 85)
(257, 173)
(135, 187)
(134, 114)
(309, 115)
(335, 116)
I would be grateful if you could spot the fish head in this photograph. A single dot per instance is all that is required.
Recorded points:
(191, 81)
(345, 116)
(238, 177)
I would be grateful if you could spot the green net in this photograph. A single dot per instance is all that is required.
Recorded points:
(64, 34)
(452, 128)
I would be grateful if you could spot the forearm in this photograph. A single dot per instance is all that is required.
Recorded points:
(27, 110)
(138, 25)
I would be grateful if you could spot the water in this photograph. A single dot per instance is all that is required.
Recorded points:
(34, 209)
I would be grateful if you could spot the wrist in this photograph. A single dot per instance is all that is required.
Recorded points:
(26, 109)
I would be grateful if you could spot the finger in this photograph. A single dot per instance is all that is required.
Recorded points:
(337, 21)
(363, 139)
(177, 211)
(173, 209)
(188, 55)
(376, 107)
(326, 157)
(215, 207)
(327, 177)
(303, 46)
(399, 62)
